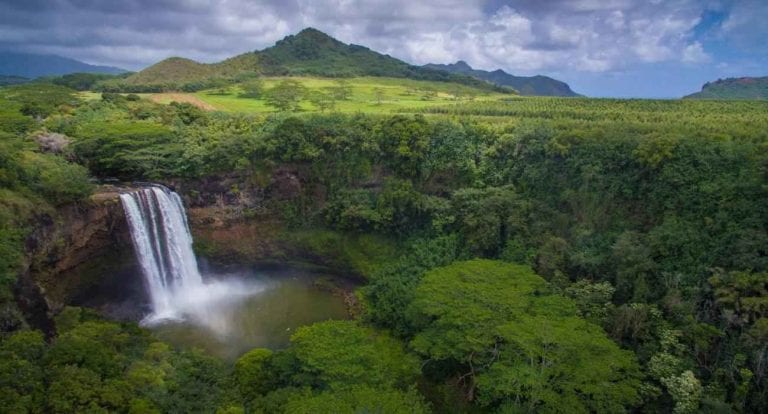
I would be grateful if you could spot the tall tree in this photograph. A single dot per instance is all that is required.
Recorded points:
(286, 95)
(517, 345)
(378, 95)
(321, 100)
(253, 89)
(341, 90)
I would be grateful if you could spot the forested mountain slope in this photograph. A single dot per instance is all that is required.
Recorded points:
(527, 85)
(309, 52)
(734, 88)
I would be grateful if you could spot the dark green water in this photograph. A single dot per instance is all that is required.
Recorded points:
(260, 309)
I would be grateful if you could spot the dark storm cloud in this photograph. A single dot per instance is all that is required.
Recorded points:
(521, 35)
(139, 32)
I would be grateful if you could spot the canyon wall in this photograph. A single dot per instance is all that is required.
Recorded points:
(68, 251)
(234, 219)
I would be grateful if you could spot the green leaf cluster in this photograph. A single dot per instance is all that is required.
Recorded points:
(518, 344)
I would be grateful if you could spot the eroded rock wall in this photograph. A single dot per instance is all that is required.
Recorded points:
(235, 219)
(68, 251)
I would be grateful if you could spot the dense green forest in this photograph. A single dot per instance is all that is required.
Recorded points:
(551, 255)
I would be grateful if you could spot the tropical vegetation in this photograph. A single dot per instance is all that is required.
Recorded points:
(550, 255)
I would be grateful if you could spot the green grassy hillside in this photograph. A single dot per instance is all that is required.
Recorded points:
(734, 88)
(173, 69)
(308, 53)
(312, 52)
(366, 94)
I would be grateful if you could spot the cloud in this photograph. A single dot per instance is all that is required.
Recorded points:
(135, 33)
(745, 28)
(694, 53)
(579, 35)
(522, 36)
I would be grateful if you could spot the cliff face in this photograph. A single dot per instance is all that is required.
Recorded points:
(242, 219)
(68, 252)
(85, 251)
(239, 220)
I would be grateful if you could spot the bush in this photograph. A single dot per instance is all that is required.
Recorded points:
(127, 150)
(56, 179)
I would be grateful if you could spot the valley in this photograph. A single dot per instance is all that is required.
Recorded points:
(317, 227)
(363, 94)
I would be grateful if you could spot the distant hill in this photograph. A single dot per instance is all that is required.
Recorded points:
(733, 88)
(12, 80)
(310, 52)
(174, 70)
(526, 85)
(33, 66)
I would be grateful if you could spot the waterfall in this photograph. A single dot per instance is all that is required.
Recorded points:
(163, 246)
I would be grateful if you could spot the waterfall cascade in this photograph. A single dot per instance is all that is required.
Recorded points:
(163, 246)
(225, 305)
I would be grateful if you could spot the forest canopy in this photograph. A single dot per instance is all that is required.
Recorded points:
(597, 255)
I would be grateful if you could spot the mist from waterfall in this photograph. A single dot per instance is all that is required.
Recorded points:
(163, 245)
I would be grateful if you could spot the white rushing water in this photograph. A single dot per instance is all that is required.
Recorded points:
(163, 246)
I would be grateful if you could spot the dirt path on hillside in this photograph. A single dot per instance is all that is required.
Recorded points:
(165, 98)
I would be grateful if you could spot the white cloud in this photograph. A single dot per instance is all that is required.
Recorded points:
(746, 26)
(583, 36)
(694, 53)
(529, 36)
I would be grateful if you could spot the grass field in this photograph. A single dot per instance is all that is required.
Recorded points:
(394, 94)
(368, 94)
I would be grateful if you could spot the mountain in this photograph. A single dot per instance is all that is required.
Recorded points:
(733, 88)
(309, 52)
(526, 85)
(174, 70)
(312, 52)
(12, 80)
(32, 66)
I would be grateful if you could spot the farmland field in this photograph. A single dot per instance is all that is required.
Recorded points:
(368, 94)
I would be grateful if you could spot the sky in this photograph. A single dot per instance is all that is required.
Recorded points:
(619, 48)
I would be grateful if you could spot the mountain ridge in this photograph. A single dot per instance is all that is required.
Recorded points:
(745, 87)
(29, 65)
(12, 80)
(310, 52)
(538, 85)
